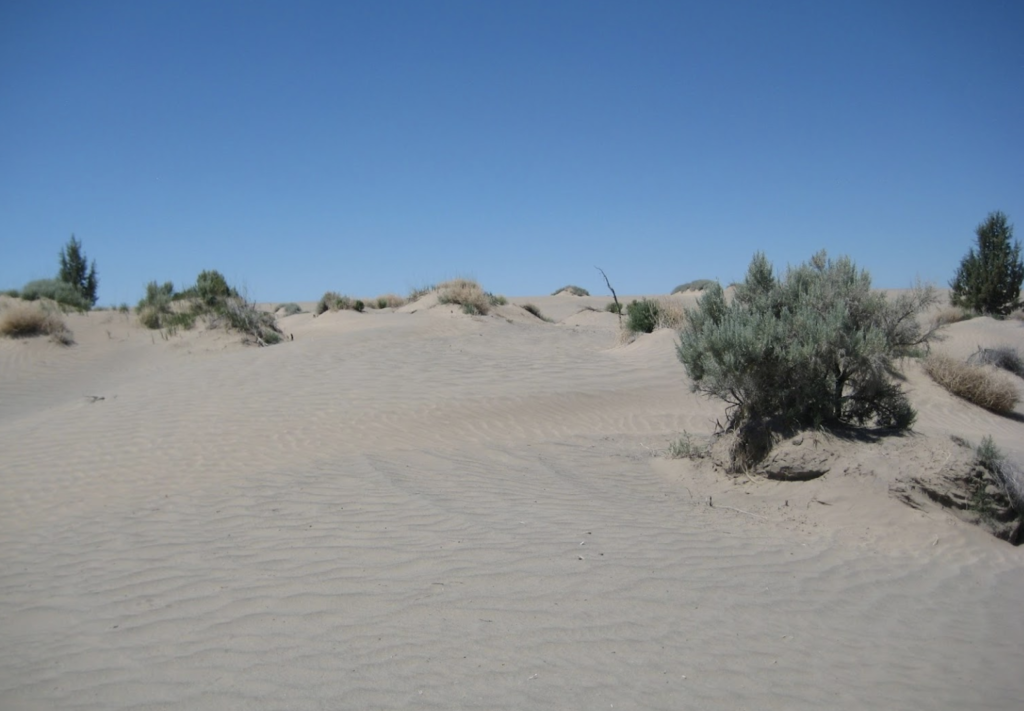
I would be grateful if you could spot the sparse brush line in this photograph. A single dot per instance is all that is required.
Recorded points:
(976, 384)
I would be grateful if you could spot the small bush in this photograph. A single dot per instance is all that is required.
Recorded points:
(290, 309)
(466, 293)
(154, 309)
(696, 285)
(212, 290)
(571, 290)
(56, 290)
(496, 299)
(642, 316)
(358, 305)
(27, 320)
(13, 293)
(532, 309)
(389, 301)
(333, 301)
(124, 308)
(647, 315)
(974, 383)
(686, 448)
(613, 307)
(1004, 358)
(257, 326)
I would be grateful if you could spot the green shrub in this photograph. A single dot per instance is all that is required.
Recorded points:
(613, 307)
(13, 293)
(124, 308)
(333, 301)
(358, 305)
(813, 349)
(571, 291)
(642, 316)
(696, 285)
(495, 299)
(56, 290)
(989, 280)
(212, 289)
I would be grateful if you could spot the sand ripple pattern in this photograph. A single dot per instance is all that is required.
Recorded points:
(436, 516)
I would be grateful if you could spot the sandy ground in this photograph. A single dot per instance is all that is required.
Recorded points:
(423, 509)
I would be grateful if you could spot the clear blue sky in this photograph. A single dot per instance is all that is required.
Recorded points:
(367, 147)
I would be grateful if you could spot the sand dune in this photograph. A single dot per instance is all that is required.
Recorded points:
(422, 509)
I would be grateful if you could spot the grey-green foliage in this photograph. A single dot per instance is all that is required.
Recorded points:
(62, 292)
(816, 347)
(989, 279)
(76, 271)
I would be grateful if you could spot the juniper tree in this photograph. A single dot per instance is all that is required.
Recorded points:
(75, 270)
(814, 348)
(989, 279)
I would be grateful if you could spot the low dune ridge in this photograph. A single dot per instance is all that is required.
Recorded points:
(418, 507)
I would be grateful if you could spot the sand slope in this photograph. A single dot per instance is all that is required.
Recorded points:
(421, 509)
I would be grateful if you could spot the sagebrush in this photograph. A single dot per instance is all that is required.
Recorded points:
(814, 348)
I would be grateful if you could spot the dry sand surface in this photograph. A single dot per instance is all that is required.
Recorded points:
(422, 509)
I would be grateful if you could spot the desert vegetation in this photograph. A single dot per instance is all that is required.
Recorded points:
(469, 295)
(1003, 357)
(535, 311)
(571, 290)
(288, 309)
(814, 348)
(388, 301)
(212, 299)
(988, 280)
(647, 315)
(333, 301)
(25, 320)
(696, 285)
(978, 384)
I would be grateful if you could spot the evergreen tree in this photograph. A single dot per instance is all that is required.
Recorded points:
(989, 279)
(74, 270)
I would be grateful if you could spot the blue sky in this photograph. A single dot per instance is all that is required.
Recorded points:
(367, 147)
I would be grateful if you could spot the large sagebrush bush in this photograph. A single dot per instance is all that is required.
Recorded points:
(814, 348)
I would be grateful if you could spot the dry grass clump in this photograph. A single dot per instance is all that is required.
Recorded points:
(977, 384)
(951, 314)
(468, 294)
(27, 320)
